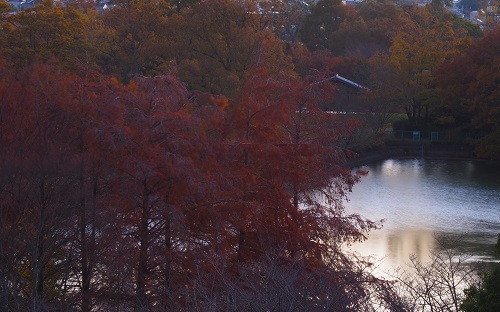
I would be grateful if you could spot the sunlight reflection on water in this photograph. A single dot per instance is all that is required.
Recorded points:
(418, 198)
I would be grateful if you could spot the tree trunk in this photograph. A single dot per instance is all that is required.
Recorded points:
(142, 268)
(38, 277)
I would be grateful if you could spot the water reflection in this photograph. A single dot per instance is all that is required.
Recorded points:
(394, 248)
(418, 198)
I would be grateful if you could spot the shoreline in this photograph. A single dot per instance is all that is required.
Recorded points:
(412, 150)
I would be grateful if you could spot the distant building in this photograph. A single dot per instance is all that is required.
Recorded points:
(348, 96)
(18, 5)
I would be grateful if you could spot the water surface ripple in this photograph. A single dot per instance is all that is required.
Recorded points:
(419, 198)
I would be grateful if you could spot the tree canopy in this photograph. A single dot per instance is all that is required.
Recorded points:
(176, 155)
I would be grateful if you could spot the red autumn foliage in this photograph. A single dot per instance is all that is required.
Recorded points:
(146, 194)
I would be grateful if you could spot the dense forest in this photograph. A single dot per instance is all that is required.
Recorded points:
(177, 156)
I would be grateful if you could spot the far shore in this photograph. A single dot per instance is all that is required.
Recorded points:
(416, 149)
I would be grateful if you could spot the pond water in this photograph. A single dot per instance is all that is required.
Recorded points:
(418, 199)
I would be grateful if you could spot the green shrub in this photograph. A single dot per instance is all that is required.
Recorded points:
(486, 296)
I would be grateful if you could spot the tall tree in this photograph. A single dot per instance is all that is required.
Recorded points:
(138, 37)
(222, 41)
(288, 155)
(416, 53)
(161, 157)
(321, 26)
(468, 86)
(40, 180)
(51, 31)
